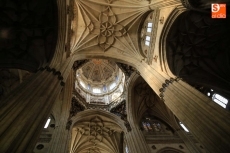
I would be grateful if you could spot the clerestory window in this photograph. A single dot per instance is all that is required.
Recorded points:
(147, 41)
(149, 27)
(47, 123)
(183, 126)
(113, 85)
(150, 125)
(82, 84)
(220, 100)
(96, 90)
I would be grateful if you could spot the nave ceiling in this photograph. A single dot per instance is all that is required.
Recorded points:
(108, 28)
(107, 25)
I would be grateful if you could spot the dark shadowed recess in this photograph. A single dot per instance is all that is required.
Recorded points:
(28, 33)
(206, 4)
(198, 50)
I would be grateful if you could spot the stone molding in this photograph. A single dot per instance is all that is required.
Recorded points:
(166, 84)
(55, 72)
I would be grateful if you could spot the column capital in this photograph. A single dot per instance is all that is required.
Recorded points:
(166, 84)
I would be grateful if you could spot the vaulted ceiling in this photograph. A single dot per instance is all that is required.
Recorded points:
(197, 48)
(106, 25)
(96, 135)
(28, 33)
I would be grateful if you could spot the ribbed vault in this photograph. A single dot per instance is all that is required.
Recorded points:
(96, 134)
(197, 50)
(102, 25)
(144, 101)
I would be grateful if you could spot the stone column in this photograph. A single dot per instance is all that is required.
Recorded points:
(60, 139)
(136, 142)
(206, 120)
(24, 112)
(188, 142)
(135, 139)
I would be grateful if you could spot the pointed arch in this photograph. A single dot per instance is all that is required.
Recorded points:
(102, 132)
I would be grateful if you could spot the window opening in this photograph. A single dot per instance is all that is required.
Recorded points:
(47, 123)
(182, 125)
(112, 86)
(104, 88)
(145, 126)
(96, 90)
(149, 28)
(116, 78)
(126, 149)
(149, 126)
(147, 40)
(220, 100)
(88, 86)
(157, 127)
(82, 84)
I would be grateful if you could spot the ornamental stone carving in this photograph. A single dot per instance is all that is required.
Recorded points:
(120, 111)
(96, 130)
(109, 29)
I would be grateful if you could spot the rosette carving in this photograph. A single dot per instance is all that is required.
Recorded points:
(109, 29)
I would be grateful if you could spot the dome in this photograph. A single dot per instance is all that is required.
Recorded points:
(98, 71)
(100, 81)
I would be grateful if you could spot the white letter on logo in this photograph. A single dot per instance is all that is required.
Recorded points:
(215, 8)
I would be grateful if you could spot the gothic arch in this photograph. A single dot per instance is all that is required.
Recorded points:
(162, 44)
(100, 133)
(132, 113)
(197, 48)
(108, 116)
(143, 100)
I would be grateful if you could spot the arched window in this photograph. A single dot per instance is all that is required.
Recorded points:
(151, 125)
(96, 90)
(82, 84)
(220, 100)
(112, 86)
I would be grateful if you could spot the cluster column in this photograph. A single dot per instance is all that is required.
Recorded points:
(136, 141)
(60, 140)
(24, 112)
(206, 120)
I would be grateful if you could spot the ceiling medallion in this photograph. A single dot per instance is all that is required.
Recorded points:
(109, 29)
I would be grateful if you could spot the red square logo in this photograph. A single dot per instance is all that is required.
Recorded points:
(218, 10)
